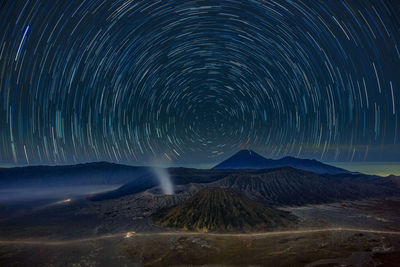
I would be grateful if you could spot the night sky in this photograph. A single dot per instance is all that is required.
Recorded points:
(191, 82)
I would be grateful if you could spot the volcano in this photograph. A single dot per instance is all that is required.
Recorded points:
(223, 210)
(248, 159)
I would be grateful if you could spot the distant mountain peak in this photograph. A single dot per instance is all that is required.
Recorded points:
(247, 152)
(248, 159)
(243, 159)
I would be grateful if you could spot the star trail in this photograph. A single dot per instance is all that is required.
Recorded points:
(192, 81)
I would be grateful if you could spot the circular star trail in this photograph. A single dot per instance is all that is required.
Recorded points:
(192, 81)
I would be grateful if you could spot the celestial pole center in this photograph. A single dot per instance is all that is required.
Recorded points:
(193, 81)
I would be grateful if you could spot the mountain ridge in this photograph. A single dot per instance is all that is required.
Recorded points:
(78, 174)
(248, 159)
(289, 186)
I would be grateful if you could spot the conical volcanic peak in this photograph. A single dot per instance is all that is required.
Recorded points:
(248, 159)
(245, 159)
(223, 210)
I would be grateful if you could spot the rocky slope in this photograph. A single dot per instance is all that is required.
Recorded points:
(289, 186)
(279, 187)
(221, 210)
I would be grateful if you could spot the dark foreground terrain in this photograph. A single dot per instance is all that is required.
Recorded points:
(261, 217)
(350, 233)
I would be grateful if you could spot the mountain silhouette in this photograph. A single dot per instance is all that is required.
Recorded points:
(248, 159)
(102, 173)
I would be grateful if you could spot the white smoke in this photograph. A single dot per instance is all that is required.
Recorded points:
(165, 180)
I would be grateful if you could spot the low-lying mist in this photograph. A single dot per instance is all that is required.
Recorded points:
(10, 195)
